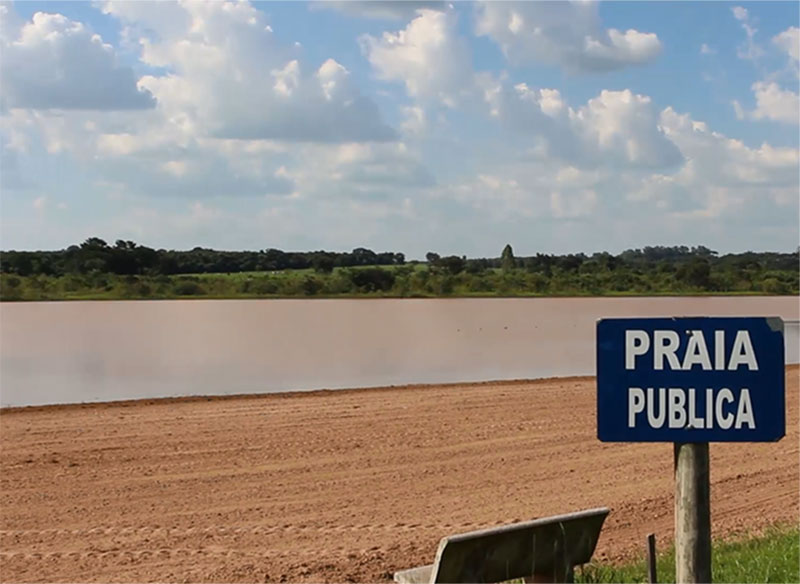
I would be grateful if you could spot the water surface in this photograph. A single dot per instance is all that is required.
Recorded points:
(65, 352)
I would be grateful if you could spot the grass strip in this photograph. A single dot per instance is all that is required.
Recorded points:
(773, 556)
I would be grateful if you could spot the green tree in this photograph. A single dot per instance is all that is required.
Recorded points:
(453, 264)
(323, 264)
(311, 286)
(432, 258)
(695, 273)
(372, 279)
(774, 286)
(188, 288)
(507, 261)
(10, 288)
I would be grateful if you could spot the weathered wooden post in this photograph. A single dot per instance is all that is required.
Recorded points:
(692, 513)
(691, 381)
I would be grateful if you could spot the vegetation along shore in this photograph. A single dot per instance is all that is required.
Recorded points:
(95, 270)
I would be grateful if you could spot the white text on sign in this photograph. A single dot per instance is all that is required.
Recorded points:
(665, 344)
(677, 407)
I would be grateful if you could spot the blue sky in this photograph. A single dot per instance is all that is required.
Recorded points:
(416, 126)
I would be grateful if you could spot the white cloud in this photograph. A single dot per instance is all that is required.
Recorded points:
(614, 128)
(722, 174)
(738, 110)
(378, 9)
(772, 103)
(707, 50)
(550, 102)
(286, 79)
(579, 205)
(750, 51)
(498, 197)
(568, 34)
(718, 177)
(143, 155)
(789, 42)
(776, 104)
(39, 203)
(200, 171)
(232, 79)
(232, 102)
(740, 13)
(415, 121)
(241, 115)
(532, 192)
(141, 20)
(176, 168)
(196, 220)
(175, 150)
(625, 124)
(362, 172)
(10, 22)
(53, 62)
(427, 56)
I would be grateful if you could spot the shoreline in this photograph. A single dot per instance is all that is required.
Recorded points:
(293, 393)
(310, 393)
(477, 296)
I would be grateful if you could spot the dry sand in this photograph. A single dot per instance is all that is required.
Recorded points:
(341, 486)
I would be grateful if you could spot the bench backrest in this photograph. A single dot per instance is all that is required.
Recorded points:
(550, 546)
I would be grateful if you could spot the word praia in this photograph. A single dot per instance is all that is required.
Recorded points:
(678, 407)
(666, 344)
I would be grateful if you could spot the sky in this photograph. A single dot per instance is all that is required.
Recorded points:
(416, 126)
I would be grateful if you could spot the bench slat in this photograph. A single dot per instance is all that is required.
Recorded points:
(420, 575)
(549, 547)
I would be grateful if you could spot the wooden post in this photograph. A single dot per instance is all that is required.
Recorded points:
(652, 578)
(692, 514)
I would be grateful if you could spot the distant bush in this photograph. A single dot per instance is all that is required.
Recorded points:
(479, 284)
(10, 288)
(99, 280)
(774, 286)
(188, 288)
(372, 279)
(73, 283)
(133, 287)
(311, 286)
(337, 283)
(323, 264)
(444, 285)
(10, 282)
(537, 283)
(259, 286)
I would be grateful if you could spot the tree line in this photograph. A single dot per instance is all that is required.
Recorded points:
(129, 258)
(127, 270)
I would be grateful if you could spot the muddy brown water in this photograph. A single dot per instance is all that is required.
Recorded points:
(68, 352)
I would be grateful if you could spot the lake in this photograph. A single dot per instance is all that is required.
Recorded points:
(68, 352)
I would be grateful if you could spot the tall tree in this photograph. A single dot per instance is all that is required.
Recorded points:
(507, 261)
(432, 257)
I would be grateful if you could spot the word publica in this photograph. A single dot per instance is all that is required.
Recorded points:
(677, 408)
(665, 345)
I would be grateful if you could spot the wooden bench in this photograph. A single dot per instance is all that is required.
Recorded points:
(543, 550)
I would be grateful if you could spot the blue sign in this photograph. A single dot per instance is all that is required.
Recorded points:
(690, 380)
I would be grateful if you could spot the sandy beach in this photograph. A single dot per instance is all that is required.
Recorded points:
(346, 485)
